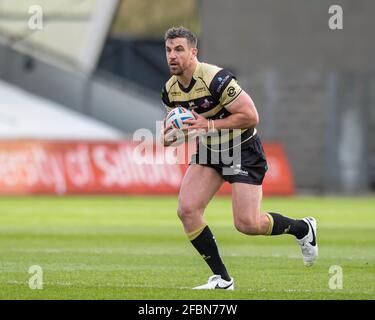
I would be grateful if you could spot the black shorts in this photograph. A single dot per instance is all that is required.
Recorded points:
(245, 163)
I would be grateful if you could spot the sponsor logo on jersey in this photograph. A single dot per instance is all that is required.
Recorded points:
(231, 91)
(206, 104)
(239, 171)
(201, 89)
(192, 105)
(222, 82)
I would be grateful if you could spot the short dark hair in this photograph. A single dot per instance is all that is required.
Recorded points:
(181, 32)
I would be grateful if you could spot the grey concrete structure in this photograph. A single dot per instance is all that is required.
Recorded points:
(114, 101)
(313, 86)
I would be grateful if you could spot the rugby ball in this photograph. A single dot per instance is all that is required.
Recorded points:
(176, 116)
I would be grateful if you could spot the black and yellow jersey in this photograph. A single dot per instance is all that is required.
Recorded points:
(211, 90)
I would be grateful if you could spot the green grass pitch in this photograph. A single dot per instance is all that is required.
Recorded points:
(135, 248)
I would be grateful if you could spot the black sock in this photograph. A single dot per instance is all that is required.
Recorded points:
(281, 225)
(205, 244)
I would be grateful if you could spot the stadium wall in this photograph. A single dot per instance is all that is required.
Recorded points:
(122, 167)
(311, 85)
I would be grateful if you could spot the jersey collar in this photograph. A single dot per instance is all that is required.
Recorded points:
(196, 75)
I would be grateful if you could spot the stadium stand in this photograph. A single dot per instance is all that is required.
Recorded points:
(26, 116)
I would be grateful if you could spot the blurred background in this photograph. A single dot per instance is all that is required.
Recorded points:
(92, 71)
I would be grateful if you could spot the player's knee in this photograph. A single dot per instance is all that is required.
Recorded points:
(247, 226)
(186, 210)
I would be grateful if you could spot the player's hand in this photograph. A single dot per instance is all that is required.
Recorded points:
(171, 136)
(167, 135)
(200, 123)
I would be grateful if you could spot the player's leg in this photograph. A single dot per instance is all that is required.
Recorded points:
(199, 185)
(246, 201)
(249, 219)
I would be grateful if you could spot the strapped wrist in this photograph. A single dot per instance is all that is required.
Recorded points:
(210, 125)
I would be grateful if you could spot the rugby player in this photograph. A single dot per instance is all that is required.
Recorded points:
(220, 106)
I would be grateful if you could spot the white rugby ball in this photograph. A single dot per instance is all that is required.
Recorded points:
(176, 116)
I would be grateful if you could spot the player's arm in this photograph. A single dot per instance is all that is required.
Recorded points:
(243, 115)
(167, 134)
(225, 88)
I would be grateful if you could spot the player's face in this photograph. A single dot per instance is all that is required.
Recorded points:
(179, 55)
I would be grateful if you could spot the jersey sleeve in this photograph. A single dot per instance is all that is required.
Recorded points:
(224, 87)
(165, 99)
